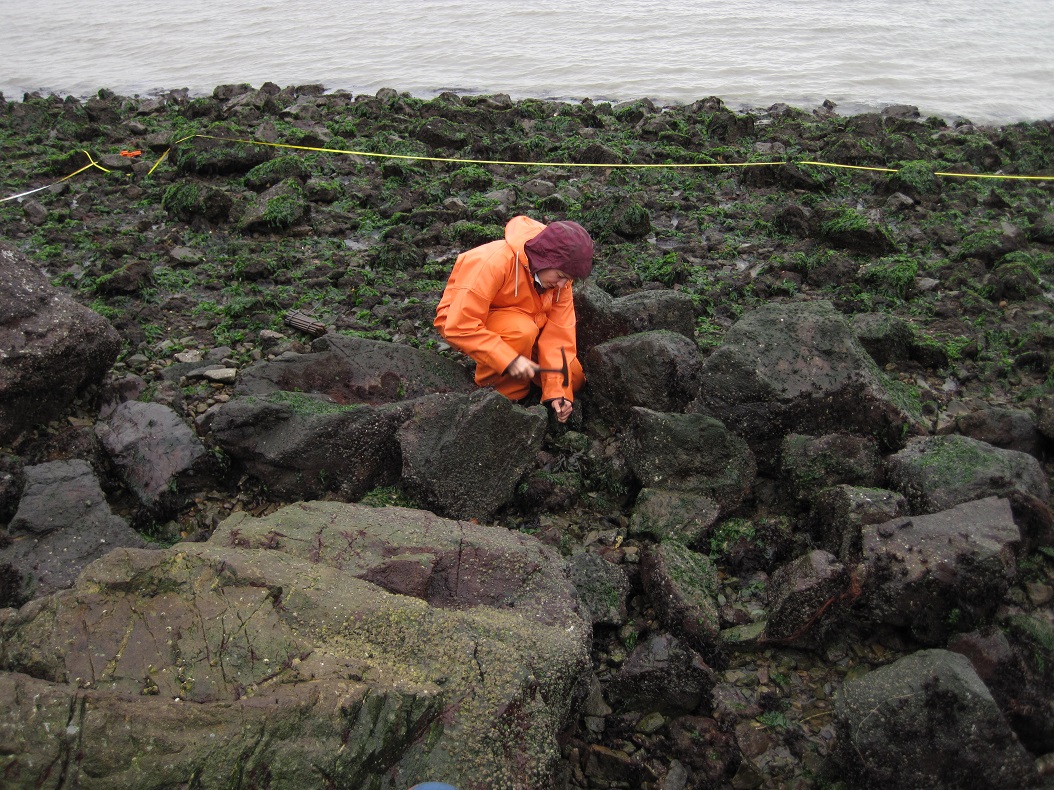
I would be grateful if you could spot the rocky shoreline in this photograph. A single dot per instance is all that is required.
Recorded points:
(797, 533)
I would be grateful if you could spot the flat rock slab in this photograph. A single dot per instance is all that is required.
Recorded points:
(449, 564)
(357, 370)
(265, 657)
(151, 447)
(62, 524)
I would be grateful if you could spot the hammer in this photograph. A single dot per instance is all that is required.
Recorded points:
(563, 369)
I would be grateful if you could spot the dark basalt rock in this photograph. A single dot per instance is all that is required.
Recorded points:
(54, 347)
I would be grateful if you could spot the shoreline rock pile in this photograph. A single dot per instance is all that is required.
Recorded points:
(796, 534)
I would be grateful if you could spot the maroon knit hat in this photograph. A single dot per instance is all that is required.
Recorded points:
(562, 245)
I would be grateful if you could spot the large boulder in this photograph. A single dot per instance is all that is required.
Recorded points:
(326, 645)
(1010, 429)
(663, 674)
(602, 317)
(189, 200)
(689, 452)
(807, 598)
(786, 368)
(50, 347)
(281, 206)
(212, 155)
(887, 338)
(681, 515)
(326, 421)
(682, 585)
(927, 720)
(939, 472)
(63, 523)
(1014, 662)
(839, 514)
(463, 456)
(658, 370)
(444, 134)
(303, 446)
(356, 370)
(813, 463)
(154, 451)
(940, 573)
(602, 587)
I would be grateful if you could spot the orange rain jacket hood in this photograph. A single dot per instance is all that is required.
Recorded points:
(496, 276)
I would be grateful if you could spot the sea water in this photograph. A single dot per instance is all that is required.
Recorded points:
(989, 62)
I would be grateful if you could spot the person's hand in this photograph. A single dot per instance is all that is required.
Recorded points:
(562, 407)
(522, 368)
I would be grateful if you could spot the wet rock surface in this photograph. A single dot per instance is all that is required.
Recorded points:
(464, 455)
(928, 719)
(153, 450)
(936, 573)
(938, 472)
(63, 522)
(52, 346)
(786, 366)
(800, 368)
(413, 652)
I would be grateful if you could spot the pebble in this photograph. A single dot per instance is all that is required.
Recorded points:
(1045, 765)
(192, 355)
(1039, 594)
(594, 724)
(221, 375)
(676, 777)
(651, 723)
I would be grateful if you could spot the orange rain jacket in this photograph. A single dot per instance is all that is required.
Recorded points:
(496, 276)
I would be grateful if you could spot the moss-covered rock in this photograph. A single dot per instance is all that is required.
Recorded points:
(684, 585)
(187, 200)
(303, 650)
(939, 472)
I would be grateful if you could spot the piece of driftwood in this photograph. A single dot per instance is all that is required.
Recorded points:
(305, 323)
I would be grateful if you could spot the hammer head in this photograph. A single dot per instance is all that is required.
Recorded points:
(563, 369)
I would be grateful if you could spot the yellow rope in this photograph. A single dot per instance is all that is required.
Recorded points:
(985, 175)
(514, 163)
(160, 159)
(849, 167)
(454, 160)
(91, 163)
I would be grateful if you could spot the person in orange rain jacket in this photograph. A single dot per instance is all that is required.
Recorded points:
(509, 305)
